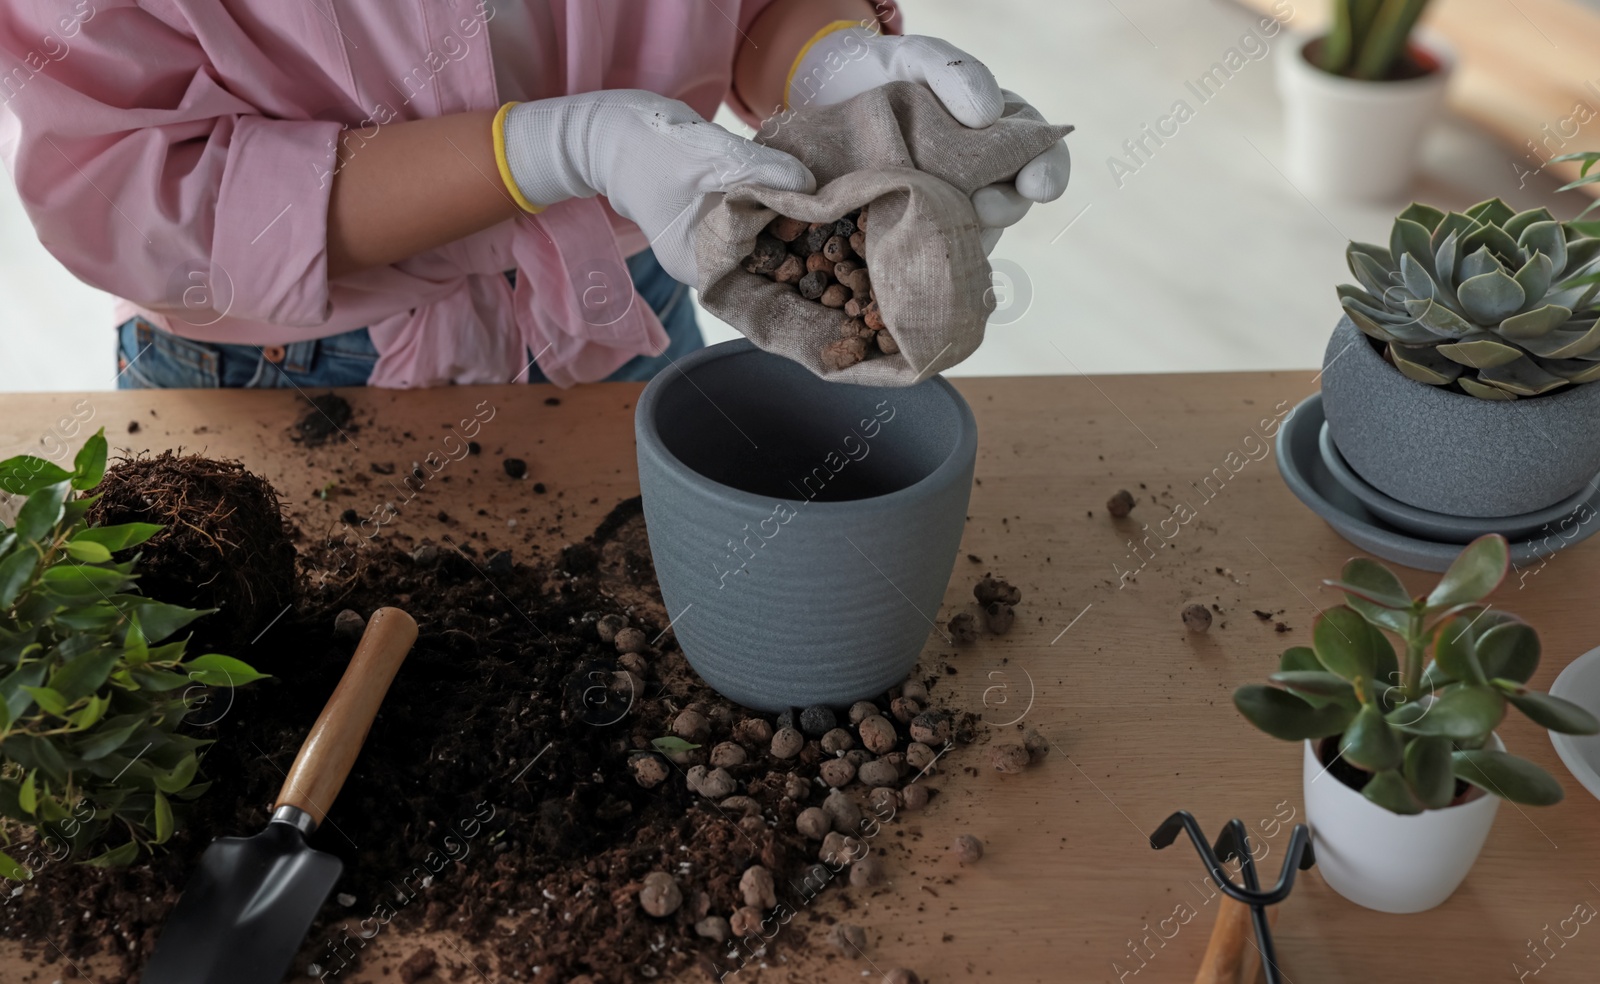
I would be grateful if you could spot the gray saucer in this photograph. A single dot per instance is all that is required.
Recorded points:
(1440, 526)
(1307, 475)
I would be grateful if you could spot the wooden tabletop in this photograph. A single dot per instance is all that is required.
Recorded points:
(1138, 710)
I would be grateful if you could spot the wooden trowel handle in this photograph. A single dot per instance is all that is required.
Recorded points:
(335, 740)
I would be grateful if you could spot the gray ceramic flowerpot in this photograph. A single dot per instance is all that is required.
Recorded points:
(1449, 452)
(803, 532)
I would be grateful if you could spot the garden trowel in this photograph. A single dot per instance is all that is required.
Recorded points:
(247, 909)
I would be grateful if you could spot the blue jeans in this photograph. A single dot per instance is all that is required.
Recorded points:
(149, 358)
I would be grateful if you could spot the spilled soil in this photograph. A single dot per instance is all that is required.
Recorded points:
(496, 795)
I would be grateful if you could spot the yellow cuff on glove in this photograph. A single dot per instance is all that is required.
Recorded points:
(838, 25)
(505, 166)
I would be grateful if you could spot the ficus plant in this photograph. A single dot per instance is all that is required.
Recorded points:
(1418, 720)
(94, 680)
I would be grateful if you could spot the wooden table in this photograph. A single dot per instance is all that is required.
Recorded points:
(1138, 710)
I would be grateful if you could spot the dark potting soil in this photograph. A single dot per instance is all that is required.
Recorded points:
(324, 417)
(1357, 778)
(493, 797)
(223, 545)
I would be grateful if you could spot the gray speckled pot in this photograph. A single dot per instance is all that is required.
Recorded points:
(1453, 453)
(803, 532)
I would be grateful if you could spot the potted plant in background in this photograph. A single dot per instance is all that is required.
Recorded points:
(1458, 382)
(1358, 100)
(1588, 157)
(92, 692)
(1403, 771)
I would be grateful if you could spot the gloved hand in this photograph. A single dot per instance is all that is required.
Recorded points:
(852, 60)
(656, 160)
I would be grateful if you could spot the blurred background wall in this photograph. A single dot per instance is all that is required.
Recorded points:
(1202, 257)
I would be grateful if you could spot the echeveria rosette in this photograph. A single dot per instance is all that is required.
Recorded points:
(1494, 303)
(1418, 720)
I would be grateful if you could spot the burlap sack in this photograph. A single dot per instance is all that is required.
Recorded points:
(897, 149)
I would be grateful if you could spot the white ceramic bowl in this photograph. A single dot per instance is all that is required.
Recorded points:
(1580, 683)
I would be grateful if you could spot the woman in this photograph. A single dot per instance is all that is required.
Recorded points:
(419, 192)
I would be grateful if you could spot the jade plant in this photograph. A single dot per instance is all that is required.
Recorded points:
(1367, 39)
(1417, 722)
(1489, 302)
(94, 682)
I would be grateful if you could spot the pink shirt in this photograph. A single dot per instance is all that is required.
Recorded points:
(178, 153)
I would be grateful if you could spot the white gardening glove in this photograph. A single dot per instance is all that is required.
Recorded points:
(850, 61)
(656, 160)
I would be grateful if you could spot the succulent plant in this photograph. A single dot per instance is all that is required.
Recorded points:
(1495, 303)
(1416, 725)
(1367, 38)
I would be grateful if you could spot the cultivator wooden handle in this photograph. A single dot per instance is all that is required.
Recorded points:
(1232, 956)
(335, 740)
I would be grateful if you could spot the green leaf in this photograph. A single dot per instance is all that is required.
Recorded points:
(193, 792)
(75, 509)
(1588, 157)
(159, 681)
(1370, 743)
(1391, 791)
(26, 474)
(9, 868)
(1285, 716)
(1509, 650)
(1385, 665)
(1508, 777)
(180, 776)
(15, 572)
(1491, 297)
(1475, 572)
(1370, 580)
(1480, 351)
(1343, 644)
(33, 752)
(1554, 713)
(1493, 211)
(118, 537)
(163, 815)
(1429, 770)
(217, 670)
(88, 552)
(28, 795)
(81, 580)
(87, 716)
(672, 744)
(117, 857)
(113, 734)
(90, 464)
(50, 700)
(41, 512)
(1313, 683)
(134, 646)
(1297, 658)
(86, 674)
(160, 620)
(1426, 215)
(11, 688)
(1456, 652)
(1462, 712)
(92, 617)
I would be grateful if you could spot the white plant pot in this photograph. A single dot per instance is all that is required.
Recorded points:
(1353, 139)
(1385, 861)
